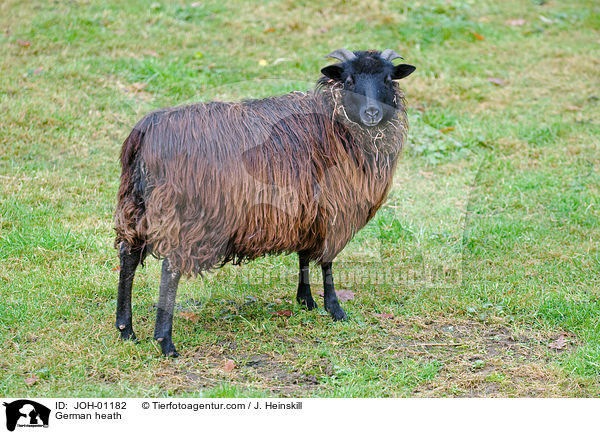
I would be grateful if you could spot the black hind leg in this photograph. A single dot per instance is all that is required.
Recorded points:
(130, 259)
(169, 280)
(304, 297)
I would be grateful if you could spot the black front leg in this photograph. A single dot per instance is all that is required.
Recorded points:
(332, 304)
(304, 297)
(169, 280)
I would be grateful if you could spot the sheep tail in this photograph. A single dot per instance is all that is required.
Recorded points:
(130, 224)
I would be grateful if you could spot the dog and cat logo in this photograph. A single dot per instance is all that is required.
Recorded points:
(26, 413)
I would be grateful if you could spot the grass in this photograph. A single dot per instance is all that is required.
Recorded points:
(485, 253)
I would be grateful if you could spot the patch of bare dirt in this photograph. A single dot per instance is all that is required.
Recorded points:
(224, 362)
(476, 359)
(482, 360)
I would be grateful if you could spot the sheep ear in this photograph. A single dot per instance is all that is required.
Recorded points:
(402, 71)
(333, 71)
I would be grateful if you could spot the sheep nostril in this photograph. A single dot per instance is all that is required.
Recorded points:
(372, 112)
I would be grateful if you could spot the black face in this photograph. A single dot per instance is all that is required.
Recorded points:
(369, 94)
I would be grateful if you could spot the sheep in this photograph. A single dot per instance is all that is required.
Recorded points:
(206, 184)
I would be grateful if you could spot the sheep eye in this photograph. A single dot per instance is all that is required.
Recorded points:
(349, 81)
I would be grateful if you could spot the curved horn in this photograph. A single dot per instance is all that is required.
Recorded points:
(390, 55)
(342, 54)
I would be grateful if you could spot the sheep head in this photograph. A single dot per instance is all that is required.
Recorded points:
(367, 79)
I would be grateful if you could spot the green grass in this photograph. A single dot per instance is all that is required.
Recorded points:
(485, 252)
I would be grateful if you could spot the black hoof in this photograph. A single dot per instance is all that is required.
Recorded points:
(127, 333)
(336, 312)
(168, 348)
(307, 302)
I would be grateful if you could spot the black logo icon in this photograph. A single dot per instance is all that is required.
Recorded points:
(26, 413)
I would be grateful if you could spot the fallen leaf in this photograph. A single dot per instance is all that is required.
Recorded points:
(31, 380)
(263, 62)
(384, 315)
(446, 130)
(38, 70)
(515, 22)
(278, 301)
(23, 43)
(323, 29)
(559, 344)
(345, 294)
(150, 53)
(190, 316)
(116, 268)
(269, 30)
(286, 313)
(477, 35)
(279, 60)
(138, 86)
(572, 108)
(342, 294)
(497, 81)
(229, 365)
(546, 20)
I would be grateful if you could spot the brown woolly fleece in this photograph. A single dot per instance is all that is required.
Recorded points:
(207, 184)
